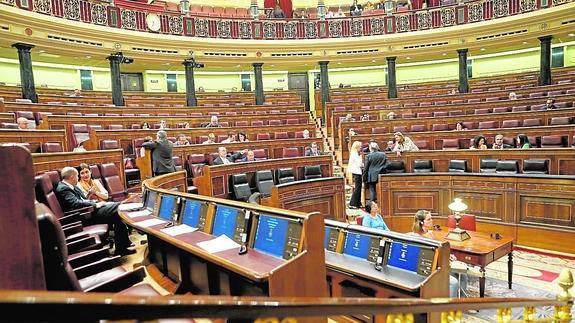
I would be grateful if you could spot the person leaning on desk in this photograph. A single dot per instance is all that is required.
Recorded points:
(423, 226)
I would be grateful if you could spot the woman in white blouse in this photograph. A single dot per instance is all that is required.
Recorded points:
(354, 167)
(403, 143)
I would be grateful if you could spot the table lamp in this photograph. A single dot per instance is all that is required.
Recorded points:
(458, 234)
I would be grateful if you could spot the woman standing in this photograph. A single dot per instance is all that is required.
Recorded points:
(354, 167)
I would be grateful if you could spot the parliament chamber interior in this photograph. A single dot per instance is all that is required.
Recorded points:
(287, 161)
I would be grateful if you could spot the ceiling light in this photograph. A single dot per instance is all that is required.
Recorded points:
(444, 54)
(238, 65)
(88, 56)
(41, 51)
(482, 49)
(339, 63)
(373, 60)
(524, 43)
(273, 65)
(571, 34)
(408, 57)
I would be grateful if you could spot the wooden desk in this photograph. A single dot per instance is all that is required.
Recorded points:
(480, 250)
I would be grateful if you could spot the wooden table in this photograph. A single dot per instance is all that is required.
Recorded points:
(480, 250)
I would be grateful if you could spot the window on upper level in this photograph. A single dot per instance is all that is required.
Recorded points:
(86, 80)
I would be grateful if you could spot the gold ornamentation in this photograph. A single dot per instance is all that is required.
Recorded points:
(400, 318)
(503, 315)
(529, 313)
(563, 312)
(451, 317)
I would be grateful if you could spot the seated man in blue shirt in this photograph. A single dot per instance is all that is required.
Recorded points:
(373, 219)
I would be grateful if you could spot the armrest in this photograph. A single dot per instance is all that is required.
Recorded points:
(120, 282)
(97, 267)
(88, 257)
(85, 243)
(72, 229)
(70, 218)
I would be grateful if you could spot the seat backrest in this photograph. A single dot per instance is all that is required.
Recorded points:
(285, 175)
(395, 166)
(440, 114)
(487, 125)
(440, 127)
(552, 141)
(281, 135)
(535, 166)
(240, 187)
(422, 166)
(178, 162)
(263, 136)
(507, 167)
(421, 144)
(116, 127)
(450, 144)
(274, 122)
(58, 272)
(289, 152)
(467, 222)
(264, 181)
(196, 164)
(45, 194)
(9, 125)
(112, 181)
(242, 123)
(418, 128)
(52, 147)
(292, 121)
(458, 166)
(109, 144)
(399, 129)
(531, 122)
(376, 130)
(501, 110)
(423, 114)
(359, 220)
(260, 154)
(311, 172)
(481, 111)
(510, 123)
(560, 121)
(488, 165)
(80, 132)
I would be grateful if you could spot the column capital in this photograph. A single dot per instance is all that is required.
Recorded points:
(323, 62)
(189, 62)
(23, 46)
(116, 57)
(545, 38)
(462, 51)
(257, 64)
(391, 58)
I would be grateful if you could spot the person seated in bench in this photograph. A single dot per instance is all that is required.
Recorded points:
(211, 139)
(549, 105)
(224, 159)
(460, 126)
(313, 150)
(403, 143)
(91, 188)
(498, 143)
(478, 143)
(522, 141)
(250, 157)
(242, 137)
(181, 140)
(22, 123)
(231, 138)
(373, 219)
(214, 123)
(423, 226)
(71, 198)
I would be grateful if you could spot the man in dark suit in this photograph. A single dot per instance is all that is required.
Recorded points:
(162, 162)
(498, 143)
(224, 159)
(313, 150)
(71, 198)
(374, 165)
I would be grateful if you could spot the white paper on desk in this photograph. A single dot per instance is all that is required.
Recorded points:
(136, 214)
(149, 223)
(128, 206)
(218, 244)
(178, 229)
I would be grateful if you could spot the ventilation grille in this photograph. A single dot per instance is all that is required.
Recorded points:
(4, 27)
(509, 33)
(153, 50)
(426, 45)
(359, 51)
(75, 41)
(225, 54)
(290, 54)
(568, 22)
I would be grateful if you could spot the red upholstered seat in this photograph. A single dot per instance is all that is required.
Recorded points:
(274, 122)
(260, 154)
(424, 114)
(500, 110)
(112, 181)
(456, 113)
(115, 127)
(289, 152)
(109, 144)
(242, 123)
(536, 95)
(407, 115)
(178, 163)
(421, 144)
(488, 125)
(552, 141)
(292, 121)
(399, 129)
(560, 121)
(418, 128)
(469, 124)
(79, 133)
(510, 123)
(531, 122)
(263, 136)
(52, 147)
(450, 144)
(440, 114)
(195, 164)
(521, 108)
(481, 111)
(440, 127)
(281, 135)
(376, 130)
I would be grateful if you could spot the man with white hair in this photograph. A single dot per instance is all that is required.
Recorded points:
(374, 165)
(22, 123)
(214, 123)
(162, 162)
(224, 159)
(71, 198)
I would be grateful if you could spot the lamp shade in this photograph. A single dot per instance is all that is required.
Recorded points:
(457, 205)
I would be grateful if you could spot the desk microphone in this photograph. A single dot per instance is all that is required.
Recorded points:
(379, 260)
(244, 236)
(169, 224)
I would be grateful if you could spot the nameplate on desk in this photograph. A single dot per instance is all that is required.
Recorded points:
(178, 229)
(149, 223)
(136, 214)
(130, 206)
(218, 244)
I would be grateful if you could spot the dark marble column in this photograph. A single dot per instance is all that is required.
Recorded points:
(26, 73)
(391, 78)
(545, 64)
(117, 97)
(259, 83)
(191, 100)
(324, 81)
(463, 82)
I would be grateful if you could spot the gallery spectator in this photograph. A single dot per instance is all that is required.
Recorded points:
(403, 143)
(22, 123)
(498, 143)
(329, 14)
(356, 9)
(302, 14)
(211, 139)
(181, 140)
(231, 138)
(77, 92)
(201, 89)
(550, 105)
(339, 13)
(523, 141)
(214, 122)
(478, 143)
(278, 12)
(364, 117)
(368, 7)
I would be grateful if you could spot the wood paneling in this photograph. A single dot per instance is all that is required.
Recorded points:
(34, 138)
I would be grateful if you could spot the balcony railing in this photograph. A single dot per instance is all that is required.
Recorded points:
(105, 14)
